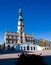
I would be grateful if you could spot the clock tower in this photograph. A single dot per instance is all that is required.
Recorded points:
(21, 37)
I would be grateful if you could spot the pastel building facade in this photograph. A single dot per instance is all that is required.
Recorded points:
(19, 37)
(20, 40)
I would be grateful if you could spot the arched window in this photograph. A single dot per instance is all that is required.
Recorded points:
(27, 47)
(24, 48)
(31, 48)
(21, 48)
(34, 48)
(8, 47)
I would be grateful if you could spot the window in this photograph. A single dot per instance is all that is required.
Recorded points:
(8, 41)
(12, 36)
(8, 47)
(8, 36)
(24, 48)
(21, 33)
(16, 41)
(21, 48)
(30, 38)
(31, 48)
(27, 47)
(21, 37)
(34, 48)
(12, 41)
(16, 37)
(21, 41)
(45, 48)
(21, 28)
(21, 23)
(27, 38)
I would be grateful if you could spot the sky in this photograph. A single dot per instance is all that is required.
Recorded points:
(36, 14)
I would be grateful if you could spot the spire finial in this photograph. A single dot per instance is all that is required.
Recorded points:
(20, 12)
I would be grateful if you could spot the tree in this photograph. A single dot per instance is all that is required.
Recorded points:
(42, 42)
(37, 41)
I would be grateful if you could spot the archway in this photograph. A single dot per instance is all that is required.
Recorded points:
(34, 48)
(27, 47)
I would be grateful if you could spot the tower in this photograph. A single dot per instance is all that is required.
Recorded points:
(21, 37)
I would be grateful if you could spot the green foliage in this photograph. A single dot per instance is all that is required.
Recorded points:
(42, 42)
(2, 47)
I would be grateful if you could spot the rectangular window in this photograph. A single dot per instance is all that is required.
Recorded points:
(8, 41)
(12, 41)
(21, 48)
(16, 41)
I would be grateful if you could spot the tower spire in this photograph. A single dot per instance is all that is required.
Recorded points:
(21, 27)
(20, 18)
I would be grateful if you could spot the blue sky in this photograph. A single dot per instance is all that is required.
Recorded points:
(36, 14)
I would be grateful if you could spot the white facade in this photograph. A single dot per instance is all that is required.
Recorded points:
(12, 38)
(28, 47)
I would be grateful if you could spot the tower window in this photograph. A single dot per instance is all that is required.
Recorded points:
(21, 24)
(21, 33)
(21, 37)
(21, 28)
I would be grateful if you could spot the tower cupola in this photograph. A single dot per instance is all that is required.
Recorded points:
(20, 18)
